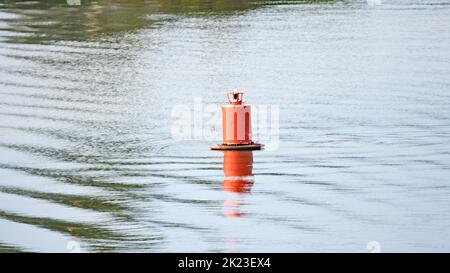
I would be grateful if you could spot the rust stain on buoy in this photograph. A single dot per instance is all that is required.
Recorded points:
(236, 125)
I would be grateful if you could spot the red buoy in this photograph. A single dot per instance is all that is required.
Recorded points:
(236, 125)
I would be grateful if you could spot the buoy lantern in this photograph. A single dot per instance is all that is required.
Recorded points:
(236, 125)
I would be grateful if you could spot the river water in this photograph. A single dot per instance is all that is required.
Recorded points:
(89, 162)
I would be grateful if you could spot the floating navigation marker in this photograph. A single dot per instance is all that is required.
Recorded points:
(236, 125)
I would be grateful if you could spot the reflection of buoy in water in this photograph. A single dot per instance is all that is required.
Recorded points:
(232, 208)
(236, 125)
(238, 171)
(237, 167)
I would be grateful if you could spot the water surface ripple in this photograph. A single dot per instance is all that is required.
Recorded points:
(86, 152)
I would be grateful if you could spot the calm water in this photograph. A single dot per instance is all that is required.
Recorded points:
(87, 155)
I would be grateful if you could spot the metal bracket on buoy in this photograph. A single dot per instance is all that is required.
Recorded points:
(236, 125)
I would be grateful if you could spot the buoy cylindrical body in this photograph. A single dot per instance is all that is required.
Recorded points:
(236, 121)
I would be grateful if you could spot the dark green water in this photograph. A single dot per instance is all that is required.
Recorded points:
(86, 151)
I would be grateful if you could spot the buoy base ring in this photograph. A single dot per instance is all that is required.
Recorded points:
(237, 147)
